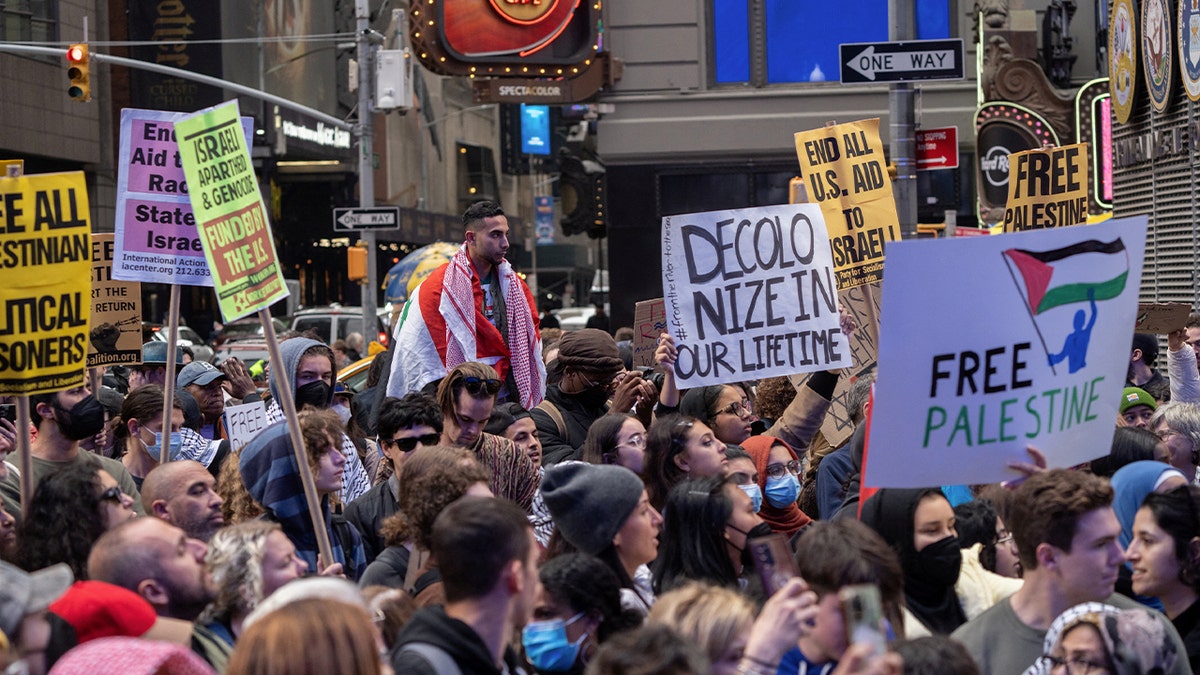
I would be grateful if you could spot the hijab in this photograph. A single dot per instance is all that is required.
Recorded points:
(1131, 484)
(786, 521)
(1135, 639)
(929, 574)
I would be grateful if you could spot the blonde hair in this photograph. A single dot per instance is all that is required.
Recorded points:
(312, 637)
(712, 617)
(235, 562)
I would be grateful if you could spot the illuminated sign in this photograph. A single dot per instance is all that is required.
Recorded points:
(524, 12)
(535, 129)
(1003, 129)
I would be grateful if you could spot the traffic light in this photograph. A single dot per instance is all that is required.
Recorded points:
(78, 67)
(356, 263)
(583, 187)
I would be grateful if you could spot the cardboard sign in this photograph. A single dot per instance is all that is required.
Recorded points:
(234, 230)
(1161, 318)
(115, 337)
(45, 282)
(1047, 187)
(649, 321)
(845, 172)
(244, 422)
(156, 236)
(750, 293)
(957, 398)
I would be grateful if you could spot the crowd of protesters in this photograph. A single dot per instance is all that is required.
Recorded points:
(507, 498)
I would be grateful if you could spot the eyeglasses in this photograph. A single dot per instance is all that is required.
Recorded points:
(409, 444)
(608, 382)
(776, 470)
(112, 494)
(1167, 433)
(477, 386)
(636, 441)
(737, 409)
(1076, 666)
(1004, 537)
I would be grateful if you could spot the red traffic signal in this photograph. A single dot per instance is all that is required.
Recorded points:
(78, 72)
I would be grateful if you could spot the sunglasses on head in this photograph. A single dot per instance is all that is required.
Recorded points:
(112, 494)
(478, 386)
(410, 444)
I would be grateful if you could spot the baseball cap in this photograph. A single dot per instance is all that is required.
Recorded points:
(22, 593)
(154, 353)
(1133, 396)
(201, 373)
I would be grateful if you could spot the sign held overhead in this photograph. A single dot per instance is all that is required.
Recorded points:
(376, 218)
(902, 61)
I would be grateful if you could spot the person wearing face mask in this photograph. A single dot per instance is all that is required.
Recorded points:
(311, 372)
(919, 526)
(742, 471)
(63, 419)
(778, 471)
(140, 433)
(577, 609)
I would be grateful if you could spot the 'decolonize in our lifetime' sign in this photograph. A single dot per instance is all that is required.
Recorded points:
(750, 293)
(1042, 365)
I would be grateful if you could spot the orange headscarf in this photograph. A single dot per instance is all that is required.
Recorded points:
(786, 521)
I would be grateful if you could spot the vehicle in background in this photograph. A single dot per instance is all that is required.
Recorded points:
(354, 376)
(187, 337)
(335, 322)
(573, 318)
(248, 351)
(248, 327)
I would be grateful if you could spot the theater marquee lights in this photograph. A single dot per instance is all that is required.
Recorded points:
(506, 38)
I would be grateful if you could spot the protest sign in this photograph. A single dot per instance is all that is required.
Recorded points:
(961, 391)
(156, 237)
(45, 281)
(115, 337)
(845, 171)
(229, 210)
(1161, 317)
(750, 293)
(649, 321)
(1048, 187)
(244, 422)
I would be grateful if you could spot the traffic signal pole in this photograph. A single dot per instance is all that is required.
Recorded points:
(902, 114)
(366, 159)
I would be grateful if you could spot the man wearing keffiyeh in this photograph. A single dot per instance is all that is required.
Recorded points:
(473, 308)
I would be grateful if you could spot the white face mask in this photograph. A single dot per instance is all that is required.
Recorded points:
(342, 410)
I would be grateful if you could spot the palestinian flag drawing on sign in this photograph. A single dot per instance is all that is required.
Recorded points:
(1087, 272)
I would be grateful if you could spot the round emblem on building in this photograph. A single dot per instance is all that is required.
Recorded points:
(1189, 47)
(1157, 49)
(1122, 58)
(524, 12)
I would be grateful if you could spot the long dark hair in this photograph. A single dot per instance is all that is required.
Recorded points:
(1177, 512)
(666, 438)
(64, 519)
(601, 443)
(585, 584)
(693, 536)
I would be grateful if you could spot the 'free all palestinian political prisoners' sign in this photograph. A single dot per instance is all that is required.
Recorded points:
(846, 173)
(45, 282)
(1047, 187)
(750, 293)
(234, 230)
(961, 392)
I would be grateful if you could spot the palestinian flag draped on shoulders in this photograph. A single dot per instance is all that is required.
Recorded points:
(443, 325)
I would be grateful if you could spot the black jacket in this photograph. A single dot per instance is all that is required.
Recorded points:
(578, 419)
(431, 626)
(367, 513)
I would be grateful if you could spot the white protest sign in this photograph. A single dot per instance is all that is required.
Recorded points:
(244, 422)
(750, 293)
(1025, 343)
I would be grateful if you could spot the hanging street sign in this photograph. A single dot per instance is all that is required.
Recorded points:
(358, 219)
(902, 61)
(937, 148)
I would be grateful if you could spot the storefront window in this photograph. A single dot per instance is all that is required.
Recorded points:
(28, 20)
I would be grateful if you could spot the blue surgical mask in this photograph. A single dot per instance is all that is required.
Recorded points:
(546, 644)
(175, 440)
(783, 491)
(755, 493)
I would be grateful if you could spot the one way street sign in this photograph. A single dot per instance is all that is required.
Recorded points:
(902, 61)
(376, 218)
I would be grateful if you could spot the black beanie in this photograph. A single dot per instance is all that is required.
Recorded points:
(590, 502)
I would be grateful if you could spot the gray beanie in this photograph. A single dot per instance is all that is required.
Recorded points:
(590, 502)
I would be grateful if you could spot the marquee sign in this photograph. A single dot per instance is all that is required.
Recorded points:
(1003, 129)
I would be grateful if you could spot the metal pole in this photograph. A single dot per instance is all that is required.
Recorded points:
(903, 123)
(366, 156)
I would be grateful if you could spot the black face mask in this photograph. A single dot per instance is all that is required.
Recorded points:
(939, 563)
(759, 530)
(84, 419)
(315, 394)
(593, 397)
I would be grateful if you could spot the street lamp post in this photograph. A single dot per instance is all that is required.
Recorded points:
(366, 156)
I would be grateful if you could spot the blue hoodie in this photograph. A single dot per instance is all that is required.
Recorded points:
(271, 475)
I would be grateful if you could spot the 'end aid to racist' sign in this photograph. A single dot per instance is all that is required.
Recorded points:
(234, 230)
(751, 293)
(45, 282)
(1029, 346)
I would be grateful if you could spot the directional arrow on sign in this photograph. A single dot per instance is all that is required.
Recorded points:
(901, 61)
(932, 160)
(869, 64)
(375, 218)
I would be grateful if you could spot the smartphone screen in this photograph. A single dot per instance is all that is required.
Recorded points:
(773, 560)
(862, 610)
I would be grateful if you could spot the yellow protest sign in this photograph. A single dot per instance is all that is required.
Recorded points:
(846, 173)
(45, 281)
(1047, 187)
(115, 336)
(229, 210)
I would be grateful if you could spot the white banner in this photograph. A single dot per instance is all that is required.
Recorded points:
(244, 422)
